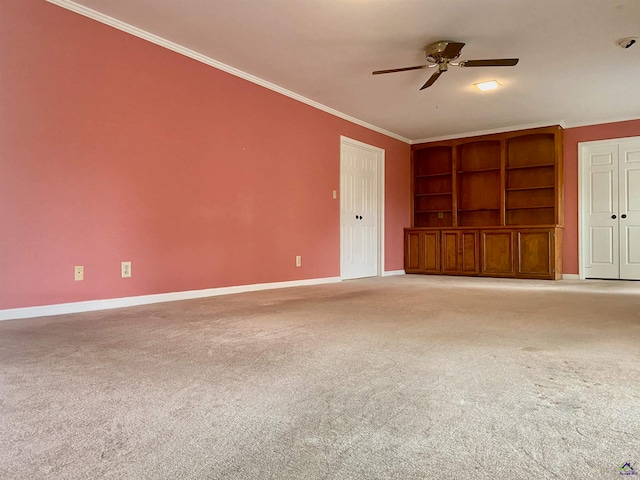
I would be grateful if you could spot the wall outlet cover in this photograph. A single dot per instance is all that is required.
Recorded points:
(78, 273)
(126, 269)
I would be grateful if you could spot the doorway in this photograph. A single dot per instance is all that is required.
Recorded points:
(609, 192)
(361, 209)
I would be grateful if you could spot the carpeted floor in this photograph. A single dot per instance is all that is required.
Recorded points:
(410, 377)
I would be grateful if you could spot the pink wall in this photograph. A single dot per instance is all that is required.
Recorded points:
(570, 157)
(116, 149)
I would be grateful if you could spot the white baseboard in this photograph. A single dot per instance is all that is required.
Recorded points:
(391, 273)
(92, 305)
(570, 276)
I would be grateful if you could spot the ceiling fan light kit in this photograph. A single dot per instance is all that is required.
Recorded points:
(490, 85)
(442, 54)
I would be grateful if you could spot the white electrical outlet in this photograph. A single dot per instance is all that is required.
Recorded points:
(298, 261)
(78, 273)
(335, 194)
(126, 269)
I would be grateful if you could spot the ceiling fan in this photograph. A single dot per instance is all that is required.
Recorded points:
(441, 55)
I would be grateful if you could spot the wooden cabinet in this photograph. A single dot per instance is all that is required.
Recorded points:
(493, 252)
(539, 253)
(498, 257)
(460, 254)
(488, 205)
(422, 252)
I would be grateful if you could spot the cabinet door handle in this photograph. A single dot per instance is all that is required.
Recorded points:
(624, 215)
(614, 217)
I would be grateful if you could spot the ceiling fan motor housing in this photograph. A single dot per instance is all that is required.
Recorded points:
(436, 52)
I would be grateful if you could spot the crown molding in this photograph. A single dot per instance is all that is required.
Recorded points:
(487, 132)
(150, 37)
(600, 121)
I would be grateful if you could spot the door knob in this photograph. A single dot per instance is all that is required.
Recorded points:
(624, 215)
(613, 216)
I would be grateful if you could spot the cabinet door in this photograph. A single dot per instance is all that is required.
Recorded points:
(535, 253)
(430, 249)
(412, 252)
(422, 252)
(460, 252)
(497, 250)
(450, 256)
(469, 253)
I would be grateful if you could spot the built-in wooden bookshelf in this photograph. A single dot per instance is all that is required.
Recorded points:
(433, 187)
(530, 185)
(511, 181)
(478, 171)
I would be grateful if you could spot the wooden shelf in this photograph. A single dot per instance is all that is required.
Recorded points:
(517, 189)
(480, 170)
(479, 209)
(434, 194)
(428, 175)
(505, 180)
(529, 207)
(523, 167)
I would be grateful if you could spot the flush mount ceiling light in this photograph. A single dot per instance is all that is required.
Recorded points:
(490, 85)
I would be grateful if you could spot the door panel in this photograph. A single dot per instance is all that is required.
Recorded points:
(431, 252)
(602, 192)
(469, 262)
(630, 209)
(412, 257)
(602, 242)
(535, 254)
(450, 252)
(601, 258)
(358, 212)
(422, 252)
(497, 253)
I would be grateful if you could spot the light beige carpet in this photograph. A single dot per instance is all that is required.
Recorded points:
(411, 377)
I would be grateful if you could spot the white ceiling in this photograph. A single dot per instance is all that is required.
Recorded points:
(571, 70)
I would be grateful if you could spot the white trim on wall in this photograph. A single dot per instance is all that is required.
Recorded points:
(150, 37)
(570, 276)
(93, 305)
(391, 273)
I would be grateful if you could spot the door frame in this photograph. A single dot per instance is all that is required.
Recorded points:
(380, 155)
(583, 193)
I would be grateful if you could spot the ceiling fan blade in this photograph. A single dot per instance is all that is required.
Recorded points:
(452, 50)
(393, 70)
(432, 79)
(496, 62)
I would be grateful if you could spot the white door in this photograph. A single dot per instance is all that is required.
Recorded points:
(629, 166)
(611, 210)
(601, 212)
(360, 171)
